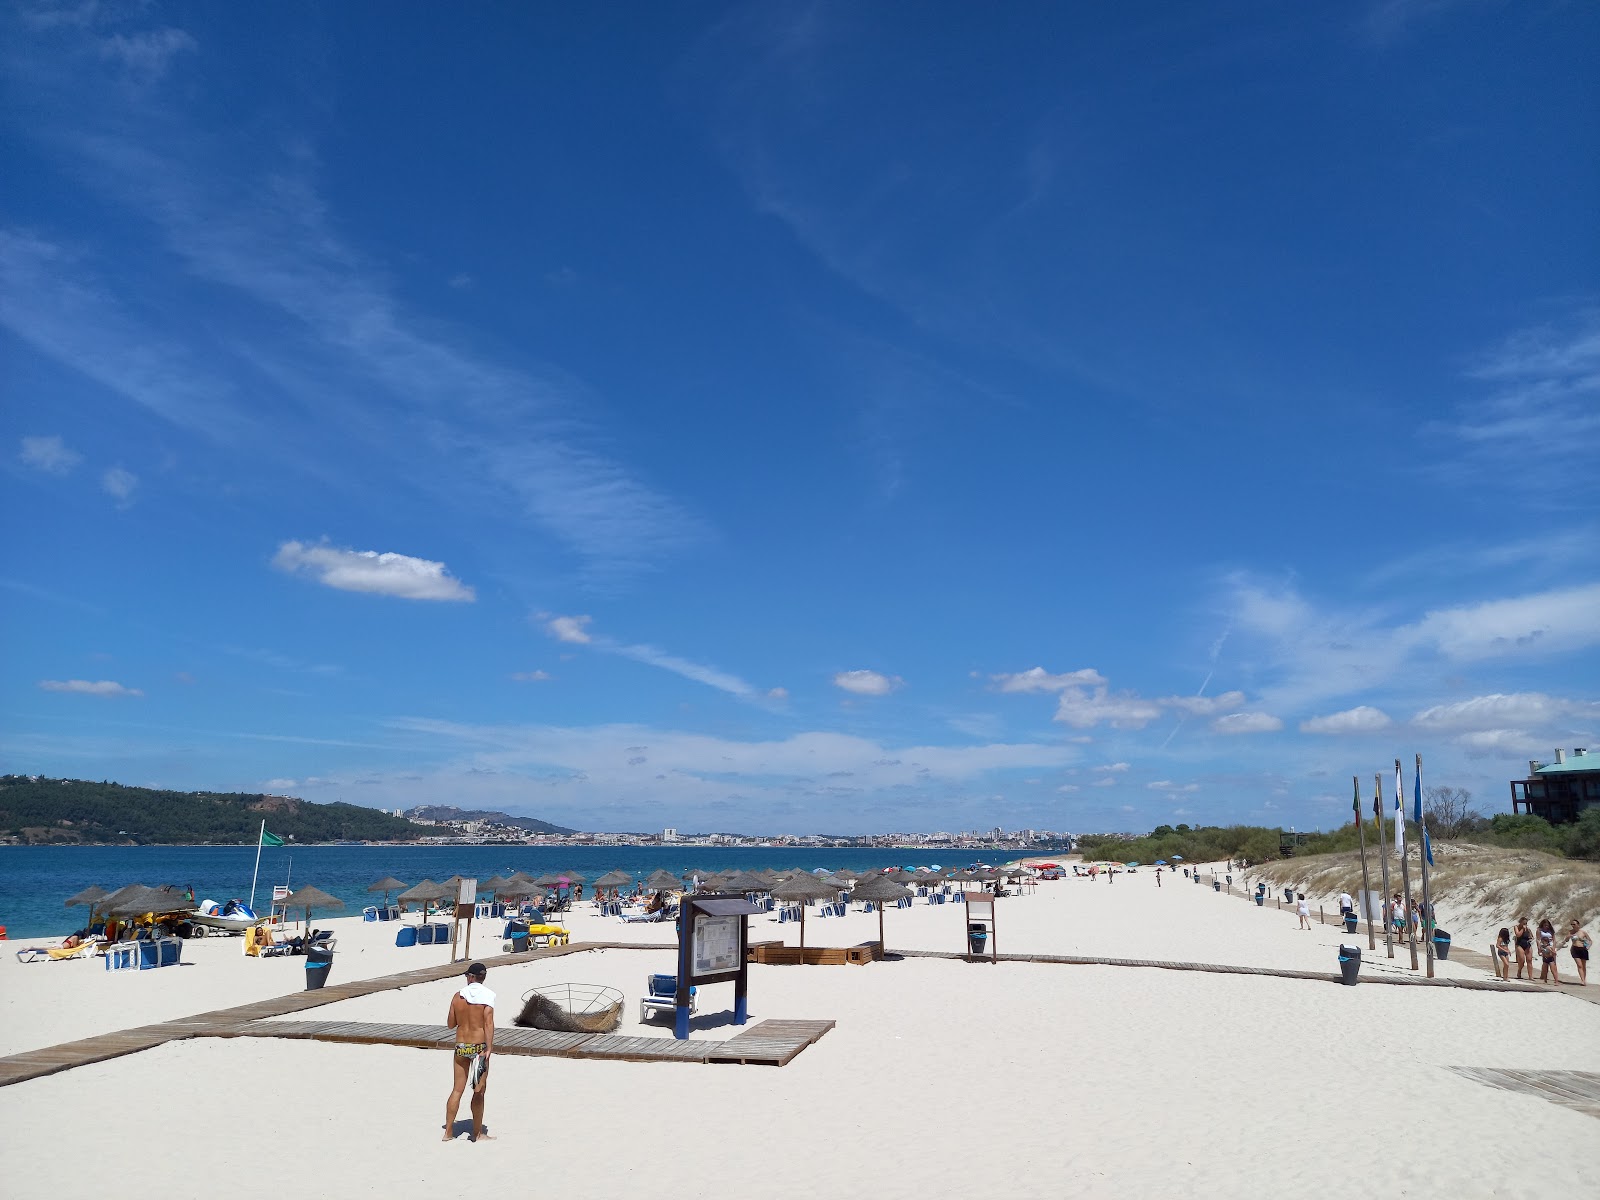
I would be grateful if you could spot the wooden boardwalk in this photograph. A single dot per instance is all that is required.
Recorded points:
(1577, 1090)
(777, 1045)
(1075, 960)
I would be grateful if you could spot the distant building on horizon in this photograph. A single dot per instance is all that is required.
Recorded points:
(1558, 791)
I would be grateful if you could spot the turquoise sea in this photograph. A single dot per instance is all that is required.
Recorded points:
(36, 880)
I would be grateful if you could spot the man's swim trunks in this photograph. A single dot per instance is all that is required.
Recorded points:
(470, 1049)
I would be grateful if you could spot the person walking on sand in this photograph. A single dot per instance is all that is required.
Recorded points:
(1302, 906)
(1578, 941)
(1158, 876)
(1502, 954)
(1346, 905)
(472, 1017)
(1524, 943)
(1547, 953)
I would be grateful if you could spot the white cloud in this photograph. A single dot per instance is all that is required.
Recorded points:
(1205, 706)
(1067, 788)
(1112, 768)
(538, 676)
(1104, 783)
(1543, 623)
(278, 785)
(569, 629)
(368, 571)
(49, 454)
(1361, 719)
(1167, 785)
(119, 484)
(1083, 709)
(1499, 711)
(1501, 743)
(85, 687)
(866, 683)
(778, 695)
(1247, 722)
(1037, 679)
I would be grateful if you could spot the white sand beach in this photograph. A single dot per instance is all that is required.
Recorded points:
(1092, 1080)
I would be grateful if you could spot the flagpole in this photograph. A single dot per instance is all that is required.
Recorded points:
(1400, 845)
(254, 875)
(1383, 859)
(1423, 853)
(1366, 880)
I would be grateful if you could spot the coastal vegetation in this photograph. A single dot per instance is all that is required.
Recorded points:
(35, 810)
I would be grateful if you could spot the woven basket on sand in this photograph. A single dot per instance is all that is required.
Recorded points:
(572, 1008)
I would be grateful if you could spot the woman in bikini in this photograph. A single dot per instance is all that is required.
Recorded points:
(1578, 942)
(1524, 940)
(1502, 954)
(1547, 953)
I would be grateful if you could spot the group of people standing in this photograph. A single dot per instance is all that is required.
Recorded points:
(1525, 941)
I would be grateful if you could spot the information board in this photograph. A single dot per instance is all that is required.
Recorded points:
(716, 944)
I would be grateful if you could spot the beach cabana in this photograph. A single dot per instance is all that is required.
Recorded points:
(386, 885)
(803, 888)
(880, 889)
(309, 898)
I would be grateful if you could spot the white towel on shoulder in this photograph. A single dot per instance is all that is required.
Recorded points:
(476, 993)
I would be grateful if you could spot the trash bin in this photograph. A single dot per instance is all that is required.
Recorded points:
(1261, 899)
(1230, 880)
(1216, 885)
(977, 937)
(1349, 964)
(1350, 922)
(1441, 944)
(319, 962)
(517, 931)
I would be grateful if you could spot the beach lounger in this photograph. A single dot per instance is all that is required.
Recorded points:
(85, 949)
(661, 995)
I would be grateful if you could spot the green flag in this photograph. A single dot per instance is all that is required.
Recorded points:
(270, 839)
(1357, 804)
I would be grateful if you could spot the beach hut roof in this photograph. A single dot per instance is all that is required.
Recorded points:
(311, 897)
(387, 884)
(91, 895)
(426, 890)
(803, 887)
(879, 888)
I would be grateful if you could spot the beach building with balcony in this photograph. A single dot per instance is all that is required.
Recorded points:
(1558, 791)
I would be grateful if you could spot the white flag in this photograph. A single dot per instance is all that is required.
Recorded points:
(1399, 812)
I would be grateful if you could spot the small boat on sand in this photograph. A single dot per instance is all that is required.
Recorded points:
(233, 917)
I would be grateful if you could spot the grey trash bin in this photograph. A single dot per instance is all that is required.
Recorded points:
(1216, 885)
(1350, 922)
(1261, 899)
(319, 961)
(1441, 944)
(977, 937)
(1349, 964)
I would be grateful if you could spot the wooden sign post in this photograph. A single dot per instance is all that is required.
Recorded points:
(713, 947)
(466, 906)
(980, 913)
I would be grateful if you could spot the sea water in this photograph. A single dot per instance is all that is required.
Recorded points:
(35, 881)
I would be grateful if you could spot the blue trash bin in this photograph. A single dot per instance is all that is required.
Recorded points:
(977, 938)
(1441, 944)
(1349, 964)
(319, 962)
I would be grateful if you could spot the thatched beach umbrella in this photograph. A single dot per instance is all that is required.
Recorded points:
(136, 900)
(493, 886)
(663, 881)
(803, 888)
(747, 881)
(309, 898)
(551, 878)
(427, 892)
(575, 877)
(90, 898)
(846, 875)
(614, 879)
(386, 885)
(879, 889)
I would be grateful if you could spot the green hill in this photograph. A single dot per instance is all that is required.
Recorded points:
(36, 811)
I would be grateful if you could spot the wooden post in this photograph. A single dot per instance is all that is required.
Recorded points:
(802, 933)
(882, 949)
(1405, 868)
(1366, 881)
(1383, 860)
(1422, 858)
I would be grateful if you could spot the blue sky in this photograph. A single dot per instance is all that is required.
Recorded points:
(801, 418)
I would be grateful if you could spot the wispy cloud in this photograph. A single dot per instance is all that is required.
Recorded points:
(866, 683)
(535, 676)
(48, 454)
(385, 574)
(575, 630)
(119, 483)
(85, 687)
(1247, 722)
(1361, 719)
(449, 418)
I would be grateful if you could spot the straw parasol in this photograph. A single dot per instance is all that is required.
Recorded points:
(575, 877)
(747, 881)
(551, 878)
(136, 900)
(803, 888)
(386, 885)
(663, 881)
(494, 885)
(309, 898)
(90, 897)
(878, 889)
(427, 892)
(614, 879)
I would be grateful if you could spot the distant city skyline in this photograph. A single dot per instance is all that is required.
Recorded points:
(764, 417)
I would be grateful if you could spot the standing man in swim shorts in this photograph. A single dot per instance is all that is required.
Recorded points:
(472, 1017)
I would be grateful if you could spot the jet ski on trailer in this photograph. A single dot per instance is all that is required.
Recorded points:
(233, 917)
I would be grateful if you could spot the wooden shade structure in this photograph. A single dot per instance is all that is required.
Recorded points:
(747, 881)
(494, 885)
(803, 888)
(663, 881)
(427, 891)
(137, 900)
(386, 885)
(614, 879)
(878, 889)
(91, 898)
